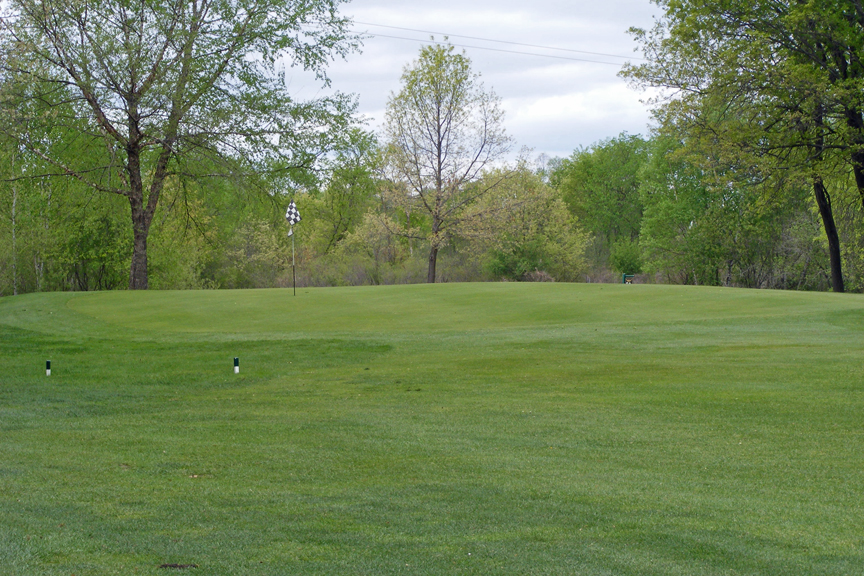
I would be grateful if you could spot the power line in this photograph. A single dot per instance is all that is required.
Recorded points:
(496, 49)
(497, 41)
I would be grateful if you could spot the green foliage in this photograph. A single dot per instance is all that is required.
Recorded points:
(771, 86)
(56, 234)
(348, 193)
(374, 254)
(726, 191)
(626, 257)
(710, 223)
(149, 91)
(517, 260)
(601, 186)
(91, 249)
(259, 254)
(530, 233)
(182, 239)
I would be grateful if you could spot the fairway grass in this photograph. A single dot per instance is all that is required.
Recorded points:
(548, 429)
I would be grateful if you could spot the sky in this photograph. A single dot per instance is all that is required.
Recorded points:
(552, 105)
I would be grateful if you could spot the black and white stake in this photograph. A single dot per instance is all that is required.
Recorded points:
(236, 365)
(47, 367)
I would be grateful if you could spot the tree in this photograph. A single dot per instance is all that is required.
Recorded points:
(601, 187)
(779, 81)
(348, 191)
(444, 129)
(532, 235)
(150, 88)
(54, 234)
(706, 222)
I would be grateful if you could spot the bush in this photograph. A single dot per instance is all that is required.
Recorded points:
(626, 257)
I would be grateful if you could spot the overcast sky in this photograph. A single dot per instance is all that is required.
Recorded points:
(552, 105)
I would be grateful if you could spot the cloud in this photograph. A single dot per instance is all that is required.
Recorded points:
(558, 124)
(552, 105)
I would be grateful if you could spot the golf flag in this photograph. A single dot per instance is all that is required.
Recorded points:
(292, 215)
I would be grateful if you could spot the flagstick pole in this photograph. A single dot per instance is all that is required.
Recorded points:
(293, 216)
(293, 269)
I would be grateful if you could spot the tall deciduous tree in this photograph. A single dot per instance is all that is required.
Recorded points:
(149, 86)
(444, 129)
(601, 187)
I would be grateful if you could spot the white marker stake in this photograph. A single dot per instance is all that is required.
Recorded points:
(47, 367)
(236, 365)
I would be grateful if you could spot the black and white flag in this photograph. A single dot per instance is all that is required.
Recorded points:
(292, 215)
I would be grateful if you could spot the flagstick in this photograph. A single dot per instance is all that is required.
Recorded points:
(293, 216)
(293, 270)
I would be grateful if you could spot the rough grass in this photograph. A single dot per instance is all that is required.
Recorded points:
(451, 429)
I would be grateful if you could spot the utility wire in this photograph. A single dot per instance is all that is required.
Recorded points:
(497, 49)
(497, 41)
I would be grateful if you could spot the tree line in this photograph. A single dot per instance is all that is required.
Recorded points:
(155, 145)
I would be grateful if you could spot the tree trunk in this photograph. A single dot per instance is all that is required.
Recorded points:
(142, 216)
(858, 171)
(141, 229)
(14, 246)
(433, 250)
(823, 201)
(433, 258)
(855, 121)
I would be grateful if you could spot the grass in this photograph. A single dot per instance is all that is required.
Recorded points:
(451, 429)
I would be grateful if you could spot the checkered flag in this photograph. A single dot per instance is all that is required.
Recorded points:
(292, 215)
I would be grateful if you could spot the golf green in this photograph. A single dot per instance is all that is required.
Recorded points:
(499, 428)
